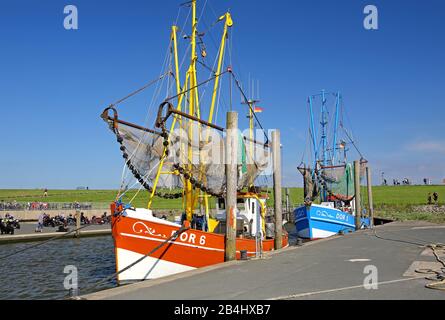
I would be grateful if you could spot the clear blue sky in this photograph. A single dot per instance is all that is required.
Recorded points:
(54, 82)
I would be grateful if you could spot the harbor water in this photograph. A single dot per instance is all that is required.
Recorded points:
(38, 273)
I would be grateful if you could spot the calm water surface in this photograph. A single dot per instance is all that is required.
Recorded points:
(38, 272)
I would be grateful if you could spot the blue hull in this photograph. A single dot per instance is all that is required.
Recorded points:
(318, 221)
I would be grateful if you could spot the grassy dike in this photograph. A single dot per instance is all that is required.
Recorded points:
(393, 202)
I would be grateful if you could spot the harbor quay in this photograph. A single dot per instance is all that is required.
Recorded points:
(367, 264)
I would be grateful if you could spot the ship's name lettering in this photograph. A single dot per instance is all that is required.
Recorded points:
(341, 216)
(191, 238)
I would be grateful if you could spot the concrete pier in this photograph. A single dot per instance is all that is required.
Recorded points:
(26, 233)
(333, 268)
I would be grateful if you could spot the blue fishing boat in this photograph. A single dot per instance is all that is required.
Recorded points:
(321, 221)
(329, 192)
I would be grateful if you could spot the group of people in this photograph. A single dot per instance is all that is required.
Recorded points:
(13, 205)
(405, 181)
(40, 205)
(8, 224)
(433, 198)
(45, 220)
(76, 205)
(396, 182)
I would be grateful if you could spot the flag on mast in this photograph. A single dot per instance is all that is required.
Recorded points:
(257, 109)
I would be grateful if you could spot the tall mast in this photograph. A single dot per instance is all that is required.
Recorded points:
(314, 132)
(324, 142)
(324, 123)
(189, 194)
(190, 96)
(334, 142)
(181, 94)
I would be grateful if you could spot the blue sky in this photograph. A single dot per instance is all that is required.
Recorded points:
(54, 83)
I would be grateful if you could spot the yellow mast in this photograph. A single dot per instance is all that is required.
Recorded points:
(190, 85)
(228, 23)
(251, 137)
(189, 194)
(179, 107)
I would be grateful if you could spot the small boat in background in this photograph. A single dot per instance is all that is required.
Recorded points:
(328, 178)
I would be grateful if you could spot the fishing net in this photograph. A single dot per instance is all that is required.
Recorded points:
(311, 190)
(199, 158)
(145, 149)
(339, 180)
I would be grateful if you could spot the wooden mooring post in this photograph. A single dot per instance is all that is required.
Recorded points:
(77, 215)
(370, 201)
(288, 213)
(357, 194)
(232, 181)
(276, 154)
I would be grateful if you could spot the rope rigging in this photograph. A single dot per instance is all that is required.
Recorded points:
(140, 89)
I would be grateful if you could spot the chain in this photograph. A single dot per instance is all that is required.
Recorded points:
(182, 171)
(195, 183)
(137, 174)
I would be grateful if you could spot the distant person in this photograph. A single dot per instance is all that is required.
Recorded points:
(436, 198)
(84, 219)
(430, 199)
(106, 218)
(385, 183)
(425, 181)
(45, 192)
(40, 222)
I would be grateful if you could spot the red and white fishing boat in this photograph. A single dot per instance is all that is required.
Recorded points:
(183, 157)
(136, 232)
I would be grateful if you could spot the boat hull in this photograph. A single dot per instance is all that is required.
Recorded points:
(135, 235)
(318, 221)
